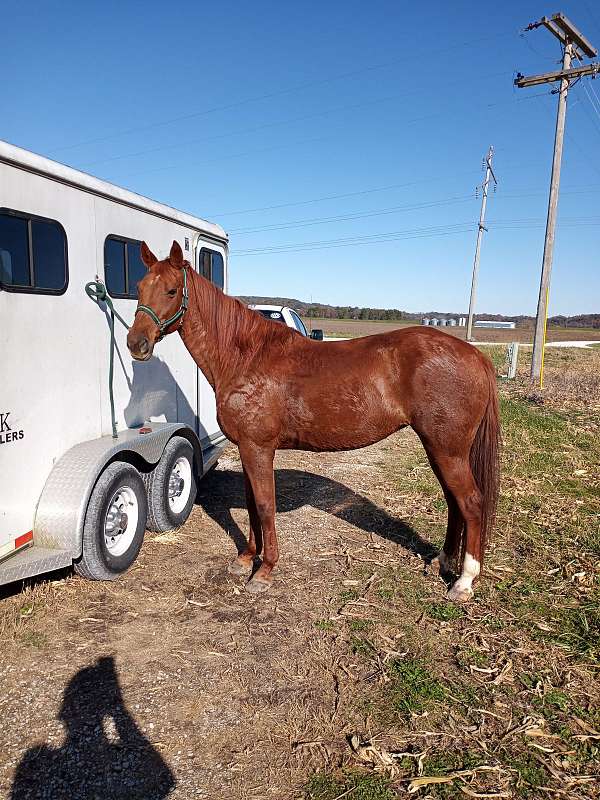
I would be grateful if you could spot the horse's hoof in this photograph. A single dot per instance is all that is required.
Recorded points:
(459, 595)
(258, 585)
(238, 567)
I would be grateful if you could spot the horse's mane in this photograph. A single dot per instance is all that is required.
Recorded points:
(234, 324)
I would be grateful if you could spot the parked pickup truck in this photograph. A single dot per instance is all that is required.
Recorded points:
(288, 317)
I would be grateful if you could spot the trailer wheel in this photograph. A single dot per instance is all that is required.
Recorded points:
(115, 522)
(171, 486)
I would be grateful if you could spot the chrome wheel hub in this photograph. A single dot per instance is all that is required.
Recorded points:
(180, 484)
(121, 521)
(176, 485)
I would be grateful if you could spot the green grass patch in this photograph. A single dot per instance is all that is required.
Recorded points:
(552, 702)
(385, 592)
(541, 442)
(347, 595)
(466, 656)
(577, 629)
(444, 612)
(324, 625)
(360, 624)
(531, 774)
(361, 647)
(357, 785)
(413, 687)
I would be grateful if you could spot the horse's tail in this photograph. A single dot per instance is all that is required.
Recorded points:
(485, 460)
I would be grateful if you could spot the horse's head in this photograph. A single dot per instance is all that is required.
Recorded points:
(162, 301)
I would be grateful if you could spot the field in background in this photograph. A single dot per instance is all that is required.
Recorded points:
(353, 677)
(351, 328)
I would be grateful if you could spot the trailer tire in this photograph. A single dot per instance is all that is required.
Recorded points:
(118, 506)
(171, 487)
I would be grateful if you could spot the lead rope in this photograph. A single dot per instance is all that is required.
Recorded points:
(96, 291)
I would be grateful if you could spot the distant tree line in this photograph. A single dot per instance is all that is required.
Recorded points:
(355, 312)
(579, 321)
(325, 311)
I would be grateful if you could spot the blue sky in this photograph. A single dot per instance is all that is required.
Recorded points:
(250, 114)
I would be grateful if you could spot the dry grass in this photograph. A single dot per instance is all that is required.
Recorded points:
(571, 377)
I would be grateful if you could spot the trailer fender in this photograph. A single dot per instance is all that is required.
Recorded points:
(61, 509)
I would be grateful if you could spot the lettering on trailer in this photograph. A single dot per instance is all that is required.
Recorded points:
(7, 435)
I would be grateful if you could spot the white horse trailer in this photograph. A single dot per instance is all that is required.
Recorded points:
(70, 492)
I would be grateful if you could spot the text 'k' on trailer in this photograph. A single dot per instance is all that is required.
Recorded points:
(69, 491)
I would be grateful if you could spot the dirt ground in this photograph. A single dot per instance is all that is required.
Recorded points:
(350, 328)
(353, 677)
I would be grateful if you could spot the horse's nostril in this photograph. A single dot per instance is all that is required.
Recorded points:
(143, 346)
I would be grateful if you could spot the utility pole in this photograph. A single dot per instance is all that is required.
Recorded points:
(572, 42)
(488, 171)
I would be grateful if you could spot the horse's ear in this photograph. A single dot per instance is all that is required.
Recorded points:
(147, 255)
(176, 255)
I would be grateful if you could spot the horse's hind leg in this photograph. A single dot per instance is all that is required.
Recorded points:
(242, 565)
(457, 477)
(450, 551)
(258, 468)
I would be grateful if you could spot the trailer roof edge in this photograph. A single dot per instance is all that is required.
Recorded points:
(32, 162)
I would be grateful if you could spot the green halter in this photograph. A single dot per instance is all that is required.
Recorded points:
(163, 325)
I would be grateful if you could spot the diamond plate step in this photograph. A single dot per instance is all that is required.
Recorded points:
(33, 561)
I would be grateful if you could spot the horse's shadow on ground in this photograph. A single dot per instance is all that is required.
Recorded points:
(223, 490)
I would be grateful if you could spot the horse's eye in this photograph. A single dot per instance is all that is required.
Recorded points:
(172, 292)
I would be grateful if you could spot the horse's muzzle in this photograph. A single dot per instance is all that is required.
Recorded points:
(139, 347)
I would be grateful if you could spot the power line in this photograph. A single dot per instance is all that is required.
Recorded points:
(274, 123)
(593, 121)
(573, 140)
(589, 96)
(351, 240)
(258, 151)
(388, 210)
(411, 233)
(351, 216)
(527, 221)
(593, 91)
(324, 198)
(268, 96)
(336, 136)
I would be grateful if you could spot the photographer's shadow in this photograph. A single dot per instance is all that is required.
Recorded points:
(105, 755)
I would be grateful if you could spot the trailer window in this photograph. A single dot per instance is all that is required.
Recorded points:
(212, 266)
(33, 254)
(123, 267)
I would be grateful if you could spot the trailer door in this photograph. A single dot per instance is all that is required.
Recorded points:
(211, 264)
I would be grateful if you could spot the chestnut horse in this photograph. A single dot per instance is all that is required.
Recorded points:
(277, 389)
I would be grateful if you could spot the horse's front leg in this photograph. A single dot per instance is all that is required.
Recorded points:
(258, 469)
(242, 565)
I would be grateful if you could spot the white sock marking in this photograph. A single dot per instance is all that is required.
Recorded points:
(471, 569)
